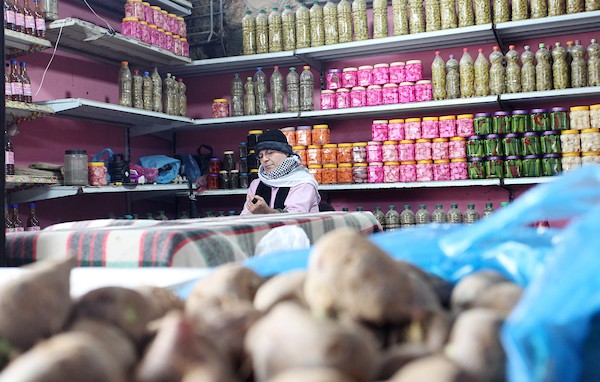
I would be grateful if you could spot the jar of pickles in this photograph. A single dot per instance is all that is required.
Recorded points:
(458, 169)
(290, 135)
(379, 130)
(381, 74)
(406, 92)
(390, 94)
(441, 169)
(475, 147)
(580, 117)
(301, 151)
(359, 173)
(329, 153)
(414, 71)
(333, 79)
(512, 167)
(212, 182)
(375, 172)
(439, 149)
(570, 161)
(408, 171)
(365, 75)
(559, 118)
(551, 165)
(430, 128)
(320, 135)
(539, 120)
(412, 128)
(358, 97)
(531, 144)
(396, 129)
(397, 72)
(316, 170)
(493, 145)
(590, 140)
(350, 78)
(342, 98)
(389, 151)
(406, 150)
(328, 100)
(359, 152)
(501, 123)
(391, 172)
(494, 167)
(374, 95)
(520, 122)
(532, 166)
(476, 168)
(482, 123)
(374, 152)
(344, 153)
(457, 148)
(570, 141)
(511, 145)
(550, 142)
(220, 108)
(214, 165)
(423, 150)
(464, 125)
(423, 91)
(314, 155)
(595, 116)
(344, 173)
(329, 174)
(424, 171)
(447, 125)
(304, 135)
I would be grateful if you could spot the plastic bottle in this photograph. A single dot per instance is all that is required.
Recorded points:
(392, 219)
(578, 66)
(317, 27)
(9, 15)
(488, 210)
(471, 215)
(330, 19)
(306, 89)
(277, 92)
(422, 216)
(379, 215)
(292, 81)
(543, 68)
(33, 224)
(497, 72)
(26, 83)
(147, 91)
(380, 19)
(560, 68)
(237, 96)
(527, 70)
(399, 17)
(454, 214)
(156, 91)
(438, 77)
(433, 20)
(125, 85)
(262, 32)
(275, 31)
(407, 217)
(288, 26)
(182, 97)
(168, 96)
(260, 91)
(249, 98)
(593, 63)
(137, 90)
(452, 78)
(482, 75)
(359, 20)
(439, 215)
(513, 71)
(302, 26)
(344, 12)
(467, 75)
(248, 33)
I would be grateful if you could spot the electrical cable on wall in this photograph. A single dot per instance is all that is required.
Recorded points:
(110, 28)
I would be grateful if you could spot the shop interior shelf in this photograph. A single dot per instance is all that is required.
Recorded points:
(517, 100)
(19, 112)
(18, 181)
(178, 7)
(527, 181)
(18, 44)
(251, 120)
(87, 39)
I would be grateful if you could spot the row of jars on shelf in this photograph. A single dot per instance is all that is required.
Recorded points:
(375, 95)
(154, 15)
(153, 35)
(378, 74)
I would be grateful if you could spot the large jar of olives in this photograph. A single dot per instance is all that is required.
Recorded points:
(593, 63)
(513, 71)
(482, 75)
(543, 68)
(380, 27)
(438, 77)
(539, 8)
(527, 70)
(452, 78)
(248, 33)
(275, 31)
(578, 66)
(288, 24)
(560, 67)
(556, 7)
(467, 74)
(262, 32)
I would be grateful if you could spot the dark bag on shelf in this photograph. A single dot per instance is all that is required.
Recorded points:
(204, 153)
(118, 169)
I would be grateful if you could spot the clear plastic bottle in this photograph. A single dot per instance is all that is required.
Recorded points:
(497, 72)
(448, 14)
(249, 97)
(438, 77)
(262, 32)
(471, 215)
(125, 86)
(380, 216)
(330, 19)
(452, 78)
(137, 89)
(359, 18)
(501, 11)
(168, 95)
(454, 214)
(593, 63)
(344, 13)
(147, 91)
(275, 31)
(407, 217)
(156, 91)
(560, 68)
(292, 81)
(422, 216)
(513, 71)
(248, 33)
(487, 211)
(520, 10)
(527, 70)
(416, 18)
(539, 8)
(182, 97)
(467, 75)
(317, 26)
(380, 20)
(592, 5)
(543, 68)
(307, 85)
(175, 85)
(277, 91)
(237, 96)
(400, 17)
(439, 215)
(433, 20)
(260, 92)
(483, 12)
(557, 7)
(569, 49)
(482, 75)
(392, 219)
(302, 26)
(288, 25)
(578, 66)
(466, 16)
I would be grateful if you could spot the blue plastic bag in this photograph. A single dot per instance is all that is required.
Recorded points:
(189, 167)
(168, 168)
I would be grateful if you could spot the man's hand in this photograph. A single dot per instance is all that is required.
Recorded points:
(257, 205)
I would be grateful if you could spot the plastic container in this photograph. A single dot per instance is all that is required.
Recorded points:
(390, 94)
(570, 141)
(328, 100)
(430, 128)
(344, 173)
(375, 172)
(412, 128)
(358, 97)
(539, 120)
(329, 153)
(381, 74)
(511, 145)
(320, 135)
(595, 116)
(482, 123)
(374, 95)
(590, 140)
(304, 135)
(493, 145)
(220, 108)
(130, 27)
(396, 129)
(75, 168)
(471, 215)
(379, 130)
(406, 92)
(520, 122)
(464, 125)
(423, 150)
(424, 171)
(423, 91)
(559, 118)
(389, 151)
(97, 174)
(397, 72)
(344, 153)
(329, 174)
(476, 168)
(408, 171)
(531, 144)
(439, 215)
(290, 135)
(580, 118)
(316, 171)
(350, 78)
(502, 123)
(457, 148)
(342, 98)
(359, 152)
(359, 173)
(407, 217)
(392, 219)
(439, 149)
(406, 150)
(414, 70)
(422, 216)
(441, 169)
(374, 152)
(494, 167)
(551, 165)
(532, 166)
(447, 125)
(333, 79)
(590, 158)
(365, 75)
(475, 147)
(391, 172)
(458, 169)
(570, 161)
(134, 8)
(313, 155)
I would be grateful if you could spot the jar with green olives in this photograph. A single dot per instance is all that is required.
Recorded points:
(520, 10)
(359, 18)
(317, 27)
(416, 19)
(557, 7)
(288, 24)
(380, 20)
(448, 14)
(593, 63)
(400, 17)
(578, 66)
(275, 31)
(467, 75)
(543, 68)
(262, 32)
(501, 11)
(497, 72)
(452, 78)
(438, 77)
(344, 12)
(433, 21)
(302, 26)
(482, 75)
(527, 70)
(513, 71)
(483, 12)
(560, 67)
(466, 18)
(330, 19)
(248, 33)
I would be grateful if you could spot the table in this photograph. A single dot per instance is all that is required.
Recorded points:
(204, 242)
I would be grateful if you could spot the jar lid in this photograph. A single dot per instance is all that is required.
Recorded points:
(344, 144)
(531, 157)
(580, 108)
(145, 3)
(75, 152)
(440, 140)
(169, 33)
(461, 116)
(430, 118)
(360, 164)
(558, 108)
(255, 132)
(223, 172)
(375, 163)
(320, 127)
(96, 164)
(184, 39)
(144, 22)
(296, 148)
(315, 166)
(381, 66)
(565, 132)
(252, 151)
(344, 165)
(423, 140)
(408, 162)
(358, 88)
(409, 120)
(407, 141)
(130, 19)
(243, 159)
(556, 132)
(219, 100)
(390, 142)
(156, 8)
(254, 170)
(492, 136)
(479, 115)
(349, 69)
(327, 92)
(375, 87)
(215, 159)
(530, 134)
(180, 18)
(314, 146)
(594, 107)
(459, 138)
(494, 158)
(501, 113)
(213, 175)
(476, 159)
(373, 143)
(396, 121)
(441, 161)
(423, 82)
(342, 90)
(520, 112)
(592, 130)
(551, 156)
(227, 152)
(391, 163)
(365, 67)
(330, 146)
(570, 154)
(359, 144)
(398, 63)
(458, 160)
(407, 83)
(134, 1)
(164, 12)
(172, 15)
(330, 165)
(447, 117)
(424, 162)
(243, 174)
(291, 128)
(512, 157)
(234, 171)
(511, 135)
(590, 153)
(152, 26)
(387, 86)
(412, 62)
(475, 137)
(161, 30)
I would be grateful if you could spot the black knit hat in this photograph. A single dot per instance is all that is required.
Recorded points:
(273, 140)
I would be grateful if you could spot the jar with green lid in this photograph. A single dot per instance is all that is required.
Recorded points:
(482, 123)
(559, 118)
(531, 144)
(532, 166)
(494, 167)
(317, 26)
(439, 215)
(471, 215)
(520, 121)
(550, 142)
(493, 145)
(302, 26)
(476, 168)
(454, 215)
(330, 18)
(407, 217)
(275, 31)
(502, 123)
(511, 144)
(570, 161)
(551, 165)
(262, 32)
(422, 216)
(512, 166)
(539, 120)
(288, 25)
(475, 147)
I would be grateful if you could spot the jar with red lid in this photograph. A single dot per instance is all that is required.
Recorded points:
(301, 151)
(430, 128)
(342, 98)
(328, 100)
(374, 95)
(457, 148)
(381, 74)
(290, 135)
(333, 80)
(423, 149)
(145, 32)
(423, 91)
(441, 169)
(408, 171)
(182, 27)
(359, 152)
(365, 75)
(329, 174)
(406, 150)
(320, 134)
(212, 182)
(439, 149)
(134, 8)
(350, 78)
(304, 135)
(344, 153)
(358, 96)
(390, 94)
(214, 165)
(379, 130)
(458, 169)
(148, 12)
(397, 72)
(391, 172)
(313, 155)
(406, 92)
(374, 153)
(359, 173)
(329, 153)
(97, 174)
(414, 71)
(375, 172)
(424, 171)
(130, 27)
(344, 173)
(412, 128)
(447, 126)
(316, 170)
(389, 151)
(220, 108)
(464, 125)
(396, 129)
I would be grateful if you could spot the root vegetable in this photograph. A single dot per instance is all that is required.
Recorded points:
(469, 288)
(397, 357)
(312, 375)
(162, 300)
(433, 368)
(501, 297)
(284, 287)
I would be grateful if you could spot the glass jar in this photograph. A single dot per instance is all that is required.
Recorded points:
(414, 71)
(329, 153)
(423, 91)
(342, 98)
(447, 126)
(458, 169)
(244, 180)
(570, 161)
(344, 153)
(502, 123)
(482, 123)
(350, 78)
(375, 172)
(290, 135)
(423, 150)
(532, 166)
(475, 147)
(441, 169)
(359, 152)
(380, 74)
(317, 172)
(511, 145)
(397, 72)
(224, 181)
(234, 179)
(75, 168)
(134, 8)
(512, 167)
(329, 174)
(570, 141)
(252, 138)
(365, 75)
(252, 161)
(374, 152)
(494, 167)
(551, 165)
(464, 125)
(301, 151)
(580, 117)
(590, 140)
(148, 12)
(439, 149)
(430, 128)
(396, 129)
(406, 150)
(539, 120)
(408, 171)
(531, 144)
(412, 128)
(391, 172)
(130, 27)
(220, 108)
(344, 173)
(228, 163)
(390, 94)
(313, 155)
(550, 142)
(328, 100)
(476, 168)
(559, 118)
(595, 116)
(520, 122)
(406, 92)
(358, 97)
(304, 135)
(389, 151)
(424, 171)
(590, 158)
(244, 168)
(212, 182)
(97, 174)
(145, 35)
(457, 148)
(359, 173)
(493, 145)
(334, 79)
(374, 95)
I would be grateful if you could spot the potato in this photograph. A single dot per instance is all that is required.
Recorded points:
(475, 344)
(396, 357)
(468, 289)
(431, 329)
(162, 300)
(347, 274)
(434, 368)
(284, 287)
(501, 297)
(122, 307)
(36, 304)
(442, 288)
(312, 375)
(65, 357)
(289, 337)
